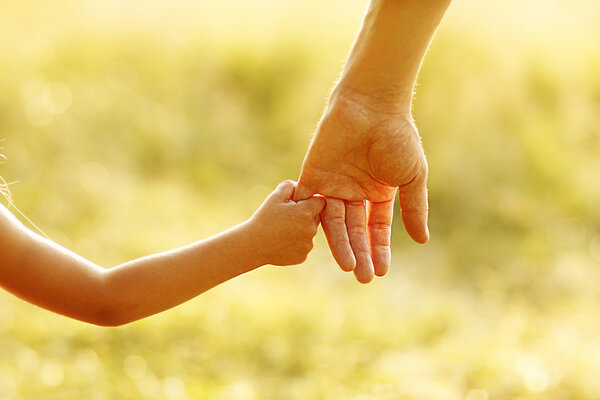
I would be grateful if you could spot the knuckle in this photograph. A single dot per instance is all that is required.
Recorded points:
(299, 257)
(304, 248)
(357, 230)
(422, 170)
(334, 220)
(306, 213)
(424, 167)
(309, 246)
(341, 242)
(380, 226)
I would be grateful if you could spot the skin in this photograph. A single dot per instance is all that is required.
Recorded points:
(41, 272)
(366, 147)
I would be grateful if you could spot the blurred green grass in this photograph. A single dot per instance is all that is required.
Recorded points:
(134, 129)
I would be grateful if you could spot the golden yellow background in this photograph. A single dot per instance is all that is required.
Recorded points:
(134, 127)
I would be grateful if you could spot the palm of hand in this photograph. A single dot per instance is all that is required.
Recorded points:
(360, 154)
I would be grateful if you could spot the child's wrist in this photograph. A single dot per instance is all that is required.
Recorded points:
(254, 243)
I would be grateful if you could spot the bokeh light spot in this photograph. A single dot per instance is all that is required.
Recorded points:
(135, 367)
(87, 360)
(174, 388)
(52, 374)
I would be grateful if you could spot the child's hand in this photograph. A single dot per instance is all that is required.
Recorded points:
(283, 229)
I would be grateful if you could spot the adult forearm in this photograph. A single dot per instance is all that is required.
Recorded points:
(387, 55)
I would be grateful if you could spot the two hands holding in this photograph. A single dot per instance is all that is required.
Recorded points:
(358, 160)
(365, 150)
(366, 147)
(360, 157)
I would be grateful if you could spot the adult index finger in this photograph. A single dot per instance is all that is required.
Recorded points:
(333, 219)
(357, 233)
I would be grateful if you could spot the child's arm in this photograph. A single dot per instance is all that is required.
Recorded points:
(281, 233)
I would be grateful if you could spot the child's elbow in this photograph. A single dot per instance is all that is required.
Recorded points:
(108, 315)
(109, 323)
(108, 318)
(109, 309)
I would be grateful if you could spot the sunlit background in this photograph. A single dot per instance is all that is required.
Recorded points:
(135, 127)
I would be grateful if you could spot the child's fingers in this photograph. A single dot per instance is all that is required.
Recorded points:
(314, 205)
(284, 191)
(302, 192)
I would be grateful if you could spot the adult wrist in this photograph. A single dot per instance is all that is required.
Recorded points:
(393, 100)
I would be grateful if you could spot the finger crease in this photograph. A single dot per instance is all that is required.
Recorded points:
(335, 220)
(380, 226)
(357, 230)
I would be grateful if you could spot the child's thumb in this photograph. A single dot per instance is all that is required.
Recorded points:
(284, 191)
(302, 192)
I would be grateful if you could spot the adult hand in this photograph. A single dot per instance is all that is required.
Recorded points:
(361, 155)
(367, 146)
